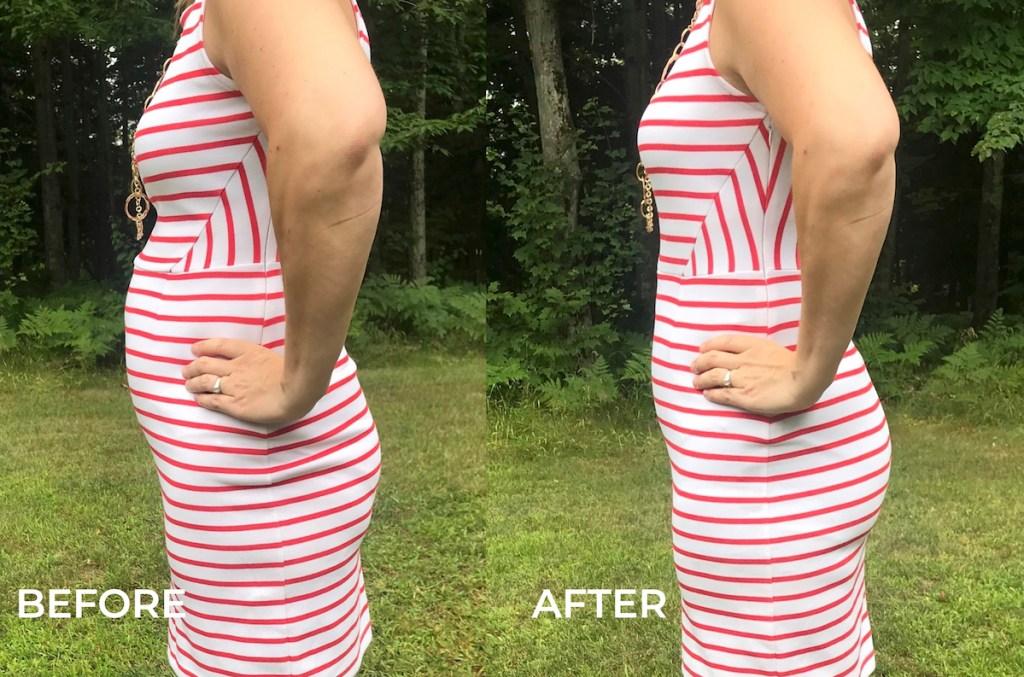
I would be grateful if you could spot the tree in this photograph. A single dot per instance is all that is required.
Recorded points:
(433, 66)
(557, 133)
(965, 81)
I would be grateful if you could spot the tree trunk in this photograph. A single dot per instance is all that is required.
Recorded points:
(46, 133)
(885, 271)
(634, 53)
(557, 134)
(417, 196)
(72, 171)
(986, 289)
(100, 223)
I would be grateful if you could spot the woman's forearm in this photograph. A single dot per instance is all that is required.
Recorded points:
(843, 199)
(325, 206)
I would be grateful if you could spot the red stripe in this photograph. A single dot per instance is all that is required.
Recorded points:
(755, 255)
(193, 147)
(723, 227)
(731, 282)
(698, 122)
(305, 460)
(271, 504)
(856, 597)
(199, 122)
(782, 477)
(782, 228)
(230, 228)
(755, 173)
(259, 296)
(288, 599)
(270, 545)
(834, 507)
(254, 225)
(199, 98)
(209, 274)
(770, 303)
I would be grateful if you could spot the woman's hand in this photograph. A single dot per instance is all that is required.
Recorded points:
(252, 385)
(766, 377)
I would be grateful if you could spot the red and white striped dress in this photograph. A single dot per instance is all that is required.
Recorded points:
(263, 525)
(770, 514)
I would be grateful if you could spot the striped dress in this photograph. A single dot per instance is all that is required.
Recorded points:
(263, 524)
(770, 514)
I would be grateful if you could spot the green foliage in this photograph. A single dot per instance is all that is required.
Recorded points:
(16, 191)
(125, 247)
(388, 305)
(900, 354)
(8, 339)
(965, 79)
(983, 380)
(558, 334)
(82, 324)
(406, 130)
(453, 73)
(592, 386)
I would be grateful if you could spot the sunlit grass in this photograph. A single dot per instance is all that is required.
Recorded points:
(585, 503)
(80, 508)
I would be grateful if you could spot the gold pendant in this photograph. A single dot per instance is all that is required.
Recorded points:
(140, 213)
(647, 203)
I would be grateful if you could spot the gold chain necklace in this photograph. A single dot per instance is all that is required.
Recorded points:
(647, 203)
(136, 186)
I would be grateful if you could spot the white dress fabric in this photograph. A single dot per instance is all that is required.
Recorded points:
(263, 525)
(770, 515)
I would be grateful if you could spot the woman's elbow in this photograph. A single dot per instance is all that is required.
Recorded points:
(352, 141)
(880, 135)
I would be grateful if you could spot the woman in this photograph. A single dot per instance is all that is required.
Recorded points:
(260, 152)
(772, 125)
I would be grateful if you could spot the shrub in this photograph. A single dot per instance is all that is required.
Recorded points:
(84, 325)
(390, 306)
(556, 323)
(902, 351)
(983, 379)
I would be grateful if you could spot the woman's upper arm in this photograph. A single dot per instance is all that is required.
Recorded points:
(301, 69)
(804, 61)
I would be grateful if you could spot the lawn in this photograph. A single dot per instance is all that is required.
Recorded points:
(585, 503)
(80, 508)
(566, 502)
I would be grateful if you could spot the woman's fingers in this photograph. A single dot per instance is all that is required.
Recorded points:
(714, 378)
(731, 343)
(724, 396)
(712, 359)
(204, 383)
(221, 347)
(206, 365)
(221, 403)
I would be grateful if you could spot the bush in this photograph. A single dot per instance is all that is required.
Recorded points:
(391, 307)
(83, 324)
(556, 325)
(983, 379)
(903, 350)
(17, 236)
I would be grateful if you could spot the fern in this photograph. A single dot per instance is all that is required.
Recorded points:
(995, 326)
(8, 338)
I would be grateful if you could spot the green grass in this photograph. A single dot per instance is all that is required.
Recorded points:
(586, 504)
(80, 508)
(564, 502)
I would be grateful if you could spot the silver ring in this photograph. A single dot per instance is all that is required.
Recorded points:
(216, 386)
(727, 383)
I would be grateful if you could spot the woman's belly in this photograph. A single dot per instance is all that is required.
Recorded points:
(727, 451)
(165, 313)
